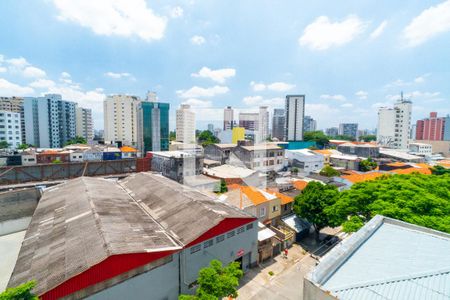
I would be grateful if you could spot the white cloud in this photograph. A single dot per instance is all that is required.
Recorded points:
(415, 95)
(117, 75)
(195, 91)
(124, 18)
(362, 95)
(42, 83)
(176, 12)
(347, 105)
(260, 101)
(219, 75)
(19, 62)
(3, 69)
(65, 75)
(9, 89)
(275, 86)
(323, 34)
(379, 30)
(333, 97)
(33, 72)
(430, 23)
(198, 40)
(197, 103)
(402, 83)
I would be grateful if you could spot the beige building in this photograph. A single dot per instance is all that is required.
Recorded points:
(120, 116)
(85, 127)
(185, 124)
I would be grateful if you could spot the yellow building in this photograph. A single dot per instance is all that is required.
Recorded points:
(238, 134)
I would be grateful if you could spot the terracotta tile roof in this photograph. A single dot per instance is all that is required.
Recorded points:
(300, 184)
(255, 196)
(324, 152)
(128, 149)
(357, 177)
(284, 198)
(425, 171)
(396, 164)
(444, 163)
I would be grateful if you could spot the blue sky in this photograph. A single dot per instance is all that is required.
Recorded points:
(348, 58)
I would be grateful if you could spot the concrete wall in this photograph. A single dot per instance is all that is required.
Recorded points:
(313, 292)
(226, 251)
(160, 283)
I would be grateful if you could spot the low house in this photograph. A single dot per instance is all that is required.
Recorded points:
(235, 175)
(348, 162)
(360, 149)
(400, 155)
(385, 259)
(305, 159)
(265, 158)
(93, 154)
(76, 155)
(28, 158)
(52, 156)
(219, 152)
(176, 165)
(111, 153)
(286, 202)
(300, 226)
(202, 182)
(128, 152)
(267, 241)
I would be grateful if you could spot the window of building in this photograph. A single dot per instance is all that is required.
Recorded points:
(240, 230)
(196, 248)
(208, 243)
(262, 212)
(249, 226)
(274, 208)
(230, 234)
(220, 238)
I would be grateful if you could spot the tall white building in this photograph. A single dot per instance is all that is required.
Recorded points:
(120, 117)
(228, 118)
(309, 124)
(394, 125)
(10, 128)
(14, 104)
(185, 124)
(50, 122)
(85, 127)
(295, 114)
(263, 124)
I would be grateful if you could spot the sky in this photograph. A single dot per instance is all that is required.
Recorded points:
(347, 57)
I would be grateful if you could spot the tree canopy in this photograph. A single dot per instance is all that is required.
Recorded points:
(415, 198)
(77, 140)
(440, 170)
(368, 138)
(172, 136)
(319, 137)
(4, 145)
(206, 137)
(22, 292)
(329, 171)
(344, 137)
(367, 165)
(313, 201)
(216, 282)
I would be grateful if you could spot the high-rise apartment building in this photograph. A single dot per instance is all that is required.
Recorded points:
(228, 118)
(295, 113)
(332, 131)
(249, 121)
(278, 122)
(120, 119)
(50, 122)
(10, 128)
(14, 104)
(432, 128)
(185, 124)
(394, 124)
(211, 128)
(85, 127)
(153, 126)
(349, 129)
(309, 124)
(263, 125)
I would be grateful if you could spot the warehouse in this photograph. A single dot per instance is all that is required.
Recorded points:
(100, 239)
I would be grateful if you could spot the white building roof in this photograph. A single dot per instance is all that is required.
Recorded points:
(398, 154)
(265, 234)
(228, 171)
(387, 259)
(176, 154)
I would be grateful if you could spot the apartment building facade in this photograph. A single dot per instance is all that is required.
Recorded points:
(185, 124)
(278, 122)
(10, 128)
(85, 127)
(394, 124)
(295, 114)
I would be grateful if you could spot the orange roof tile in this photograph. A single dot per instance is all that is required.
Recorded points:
(284, 198)
(49, 152)
(300, 184)
(444, 163)
(253, 195)
(396, 164)
(325, 152)
(356, 177)
(425, 171)
(128, 149)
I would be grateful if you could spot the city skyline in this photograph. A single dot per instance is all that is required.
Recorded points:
(187, 53)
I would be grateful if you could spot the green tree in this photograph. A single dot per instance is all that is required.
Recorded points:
(368, 138)
(206, 137)
(23, 146)
(415, 198)
(439, 170)
(329, 171)
(316, 136)
(21, 292)
(216, 282)
(313, 201)
(367, 165)
(76, 140)
(294, 170)
(172, 136)
(4, 145)
(222, 188)
(343, 137)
